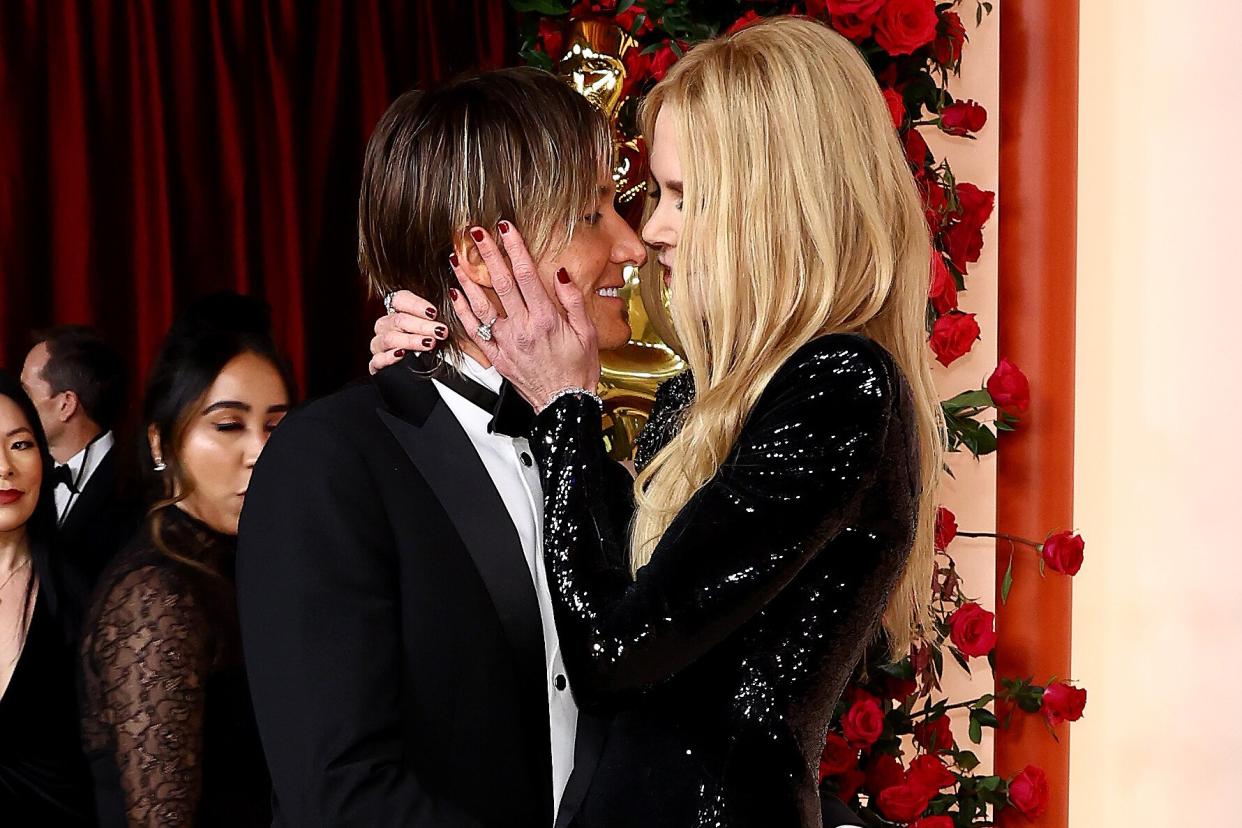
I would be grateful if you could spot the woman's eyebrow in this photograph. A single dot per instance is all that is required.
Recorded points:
(277, 409)
(19, 430)
(219, 404)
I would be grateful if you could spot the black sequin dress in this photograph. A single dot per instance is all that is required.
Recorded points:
(724, 658)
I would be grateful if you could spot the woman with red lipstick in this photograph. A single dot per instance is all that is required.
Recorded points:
(168, 726)
(43, 775)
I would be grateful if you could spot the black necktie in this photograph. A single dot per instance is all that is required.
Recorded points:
(512, 416)
(62, 474)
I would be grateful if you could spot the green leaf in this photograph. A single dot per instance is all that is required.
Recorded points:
(976, 730)
(623, 5)
(966, 760)
(969, 399)
(983, 700)
(985, 717)
(539, 60)
(1007, 581)
(541, 6)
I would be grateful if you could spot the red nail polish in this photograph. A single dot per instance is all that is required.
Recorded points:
(426, 343)
(453, 260)
(453, 294)
(562, 276)
(442, 332)
(398, 353)
(431, 313)
(504, 227)
(476, 234)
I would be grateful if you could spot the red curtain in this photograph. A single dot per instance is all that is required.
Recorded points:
(154, 151)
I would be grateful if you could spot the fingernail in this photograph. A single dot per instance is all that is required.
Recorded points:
(477, 234)
(562, 276)
(442, 332)
(398, 353)
(453, 260)
(453, 294)
(426, 343)
(431, 313)
(503, 227)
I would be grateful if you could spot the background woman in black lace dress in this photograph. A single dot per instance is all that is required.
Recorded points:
(167, 725)
(43, 776)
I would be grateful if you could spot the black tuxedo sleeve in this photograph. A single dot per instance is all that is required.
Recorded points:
(320, 616)
(795, 477)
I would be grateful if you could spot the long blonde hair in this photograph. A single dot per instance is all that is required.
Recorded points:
(801, 218)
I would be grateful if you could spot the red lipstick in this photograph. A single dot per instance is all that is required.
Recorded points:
(10, 496)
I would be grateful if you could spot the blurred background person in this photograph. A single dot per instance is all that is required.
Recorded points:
(167, 720)
(77, 382)
(43, 775)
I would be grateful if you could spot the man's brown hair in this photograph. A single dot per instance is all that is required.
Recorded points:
(518, 144)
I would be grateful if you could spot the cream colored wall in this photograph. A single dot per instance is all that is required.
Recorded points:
(1157, 609)
(972, 493)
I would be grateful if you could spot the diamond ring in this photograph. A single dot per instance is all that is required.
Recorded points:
(485, 331)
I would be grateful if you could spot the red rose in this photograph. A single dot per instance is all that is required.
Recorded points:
(852, 26)
(637, 70)
(953, 335)
(864, 722)
(976, 204)
(941, 821)
(930, 773)
(629, 17)
(935, 202)
(916, 148)
(899, 689)
(664, 59)
(964, 243)
(838, 757)
(749, 19)
(1028, 791)
(946, 528)
(905, 25)
(1063, 703)
(551, 39)
(950, 35)
(1063, 552)
(586, 8)
(963, 117)
(935, 736)
(903, 803)
(943, 292)
(1009, 388)
(972, 630)
(848, 784)
(896, 106)
(865, 9)
(883, 772)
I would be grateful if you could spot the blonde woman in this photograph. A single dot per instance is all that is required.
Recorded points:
(785, 500)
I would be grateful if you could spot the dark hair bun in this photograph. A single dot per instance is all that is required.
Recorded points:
(224, 312)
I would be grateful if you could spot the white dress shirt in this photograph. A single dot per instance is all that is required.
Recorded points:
(511, 465)
(81, 466)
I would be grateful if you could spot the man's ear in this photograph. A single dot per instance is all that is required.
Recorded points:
(472, 263)
(67, 406)
(153, 441)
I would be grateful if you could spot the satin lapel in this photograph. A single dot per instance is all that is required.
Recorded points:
(439, 448)
(83, 509)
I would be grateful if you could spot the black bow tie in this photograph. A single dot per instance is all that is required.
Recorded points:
(512, 416)
(62, 474)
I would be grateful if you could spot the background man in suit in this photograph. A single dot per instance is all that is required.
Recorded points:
(396, 617)
(76, 380)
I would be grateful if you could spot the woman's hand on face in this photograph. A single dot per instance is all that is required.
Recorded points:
(537, 347)
(410, 326)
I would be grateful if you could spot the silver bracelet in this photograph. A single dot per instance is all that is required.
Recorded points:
(565, 392)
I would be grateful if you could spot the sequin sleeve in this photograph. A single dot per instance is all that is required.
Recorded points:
(796, 476)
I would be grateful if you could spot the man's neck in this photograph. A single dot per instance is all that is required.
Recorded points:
(72, 440)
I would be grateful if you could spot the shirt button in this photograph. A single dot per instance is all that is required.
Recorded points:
(526, 460)
(560, 682)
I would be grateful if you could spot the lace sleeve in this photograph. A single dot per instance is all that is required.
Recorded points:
(152, 658)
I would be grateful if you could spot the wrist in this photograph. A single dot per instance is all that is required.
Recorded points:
(572, 390)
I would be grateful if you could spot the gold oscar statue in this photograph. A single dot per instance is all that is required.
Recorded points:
(593, 65)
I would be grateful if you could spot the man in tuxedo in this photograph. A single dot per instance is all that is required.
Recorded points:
(396, 617)
(76, 380)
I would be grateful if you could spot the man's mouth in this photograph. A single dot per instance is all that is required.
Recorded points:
(609, 292)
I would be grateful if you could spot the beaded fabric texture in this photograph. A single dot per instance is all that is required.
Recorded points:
(724, 658)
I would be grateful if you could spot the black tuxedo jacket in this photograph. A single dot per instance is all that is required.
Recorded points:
(391, 630)
(98, 524)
